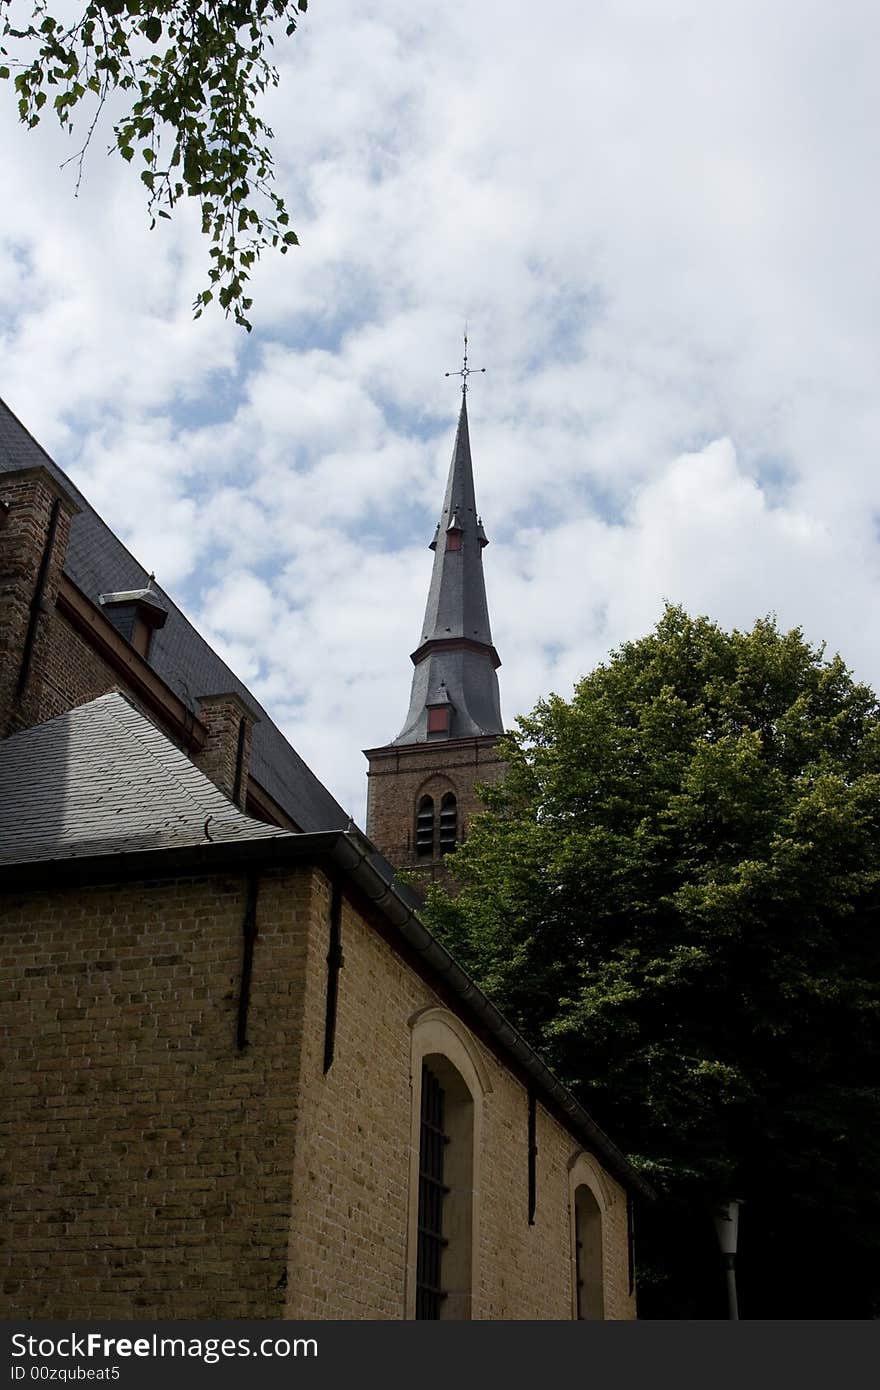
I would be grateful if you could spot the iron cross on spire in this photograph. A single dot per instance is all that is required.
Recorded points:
(465, 370)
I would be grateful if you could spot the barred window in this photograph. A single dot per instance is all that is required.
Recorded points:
(449, 1081)
(432, 1192)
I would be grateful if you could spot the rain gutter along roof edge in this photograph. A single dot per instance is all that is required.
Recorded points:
(350, 853)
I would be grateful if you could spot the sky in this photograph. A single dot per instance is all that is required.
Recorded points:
(660, 220)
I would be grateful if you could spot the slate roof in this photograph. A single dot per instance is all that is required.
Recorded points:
(98, 563)
(101, 779)
(455, 660)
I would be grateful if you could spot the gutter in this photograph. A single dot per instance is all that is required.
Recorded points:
(352, 854)
(384, 895)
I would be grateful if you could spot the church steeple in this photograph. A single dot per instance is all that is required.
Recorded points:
(455, 688)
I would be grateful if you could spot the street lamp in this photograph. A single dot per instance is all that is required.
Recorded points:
(726, 1223)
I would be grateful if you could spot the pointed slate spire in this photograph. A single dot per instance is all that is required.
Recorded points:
(456, 651)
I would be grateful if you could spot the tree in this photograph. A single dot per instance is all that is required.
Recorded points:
(674, 894)
(194, 70)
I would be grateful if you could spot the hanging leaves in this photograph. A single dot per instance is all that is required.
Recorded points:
(195, 70)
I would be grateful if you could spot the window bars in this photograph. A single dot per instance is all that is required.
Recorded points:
(429, 1290)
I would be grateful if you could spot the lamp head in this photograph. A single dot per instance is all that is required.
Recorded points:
(726, 1224)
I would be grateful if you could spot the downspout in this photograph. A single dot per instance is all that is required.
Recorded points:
(37, 601)
(335, 963)
(249, 934)
(239, 762)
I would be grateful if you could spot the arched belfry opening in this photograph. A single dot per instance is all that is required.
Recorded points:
(454, 721)
(425, 827)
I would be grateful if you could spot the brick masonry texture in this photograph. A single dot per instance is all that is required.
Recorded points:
(66, 670)
(400, 777)
(149, 1161)
(222, 716)
(28, 501)
(349, 1216)
(153, 1171)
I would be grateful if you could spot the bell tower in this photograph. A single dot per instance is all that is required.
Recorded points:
(420, 792)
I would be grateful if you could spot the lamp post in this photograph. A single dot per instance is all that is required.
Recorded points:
(726, 1223)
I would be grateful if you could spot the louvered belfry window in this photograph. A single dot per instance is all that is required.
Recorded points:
(448, 823)
(425, 826)
(433, 1141)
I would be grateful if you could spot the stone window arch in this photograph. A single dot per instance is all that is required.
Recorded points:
(588, 1203)
(445, 1058)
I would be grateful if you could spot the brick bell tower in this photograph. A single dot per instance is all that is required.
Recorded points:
(420, 792)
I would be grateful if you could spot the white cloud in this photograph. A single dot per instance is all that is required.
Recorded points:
(660, 217)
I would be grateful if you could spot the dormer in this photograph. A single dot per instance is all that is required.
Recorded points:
(135, 613)
(440, 709)
(453, 533)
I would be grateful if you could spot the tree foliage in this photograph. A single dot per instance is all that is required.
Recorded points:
(675, 895)
(194, 71)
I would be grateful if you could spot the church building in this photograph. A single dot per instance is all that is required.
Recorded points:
(242, 1079)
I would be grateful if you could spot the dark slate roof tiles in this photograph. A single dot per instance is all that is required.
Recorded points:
(101, 779)
(456, 648)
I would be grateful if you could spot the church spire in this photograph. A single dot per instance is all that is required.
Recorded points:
(455, 688)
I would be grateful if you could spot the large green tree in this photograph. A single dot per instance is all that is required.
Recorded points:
(674, 894)
(186, 77)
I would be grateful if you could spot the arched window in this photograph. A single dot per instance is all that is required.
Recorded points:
(446, 1162)
(448, 823)
(425, 826)
(449, 1081)
(589, 1274)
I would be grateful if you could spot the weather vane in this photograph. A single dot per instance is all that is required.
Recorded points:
(465, 370)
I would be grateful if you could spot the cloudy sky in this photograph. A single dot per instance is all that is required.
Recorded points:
(660, 219)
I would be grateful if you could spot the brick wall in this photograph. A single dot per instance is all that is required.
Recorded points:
(153, 1170)
(28, 540)
(74, 661)
(148, 1161)
(399, 777)
(229, 727)
(351, 1171)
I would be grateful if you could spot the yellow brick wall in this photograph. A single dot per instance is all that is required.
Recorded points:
(153, 1170)
(147, 1161)
(351, 1170)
